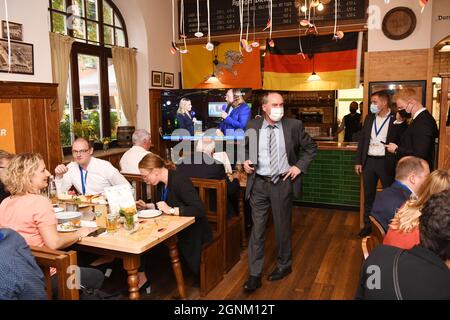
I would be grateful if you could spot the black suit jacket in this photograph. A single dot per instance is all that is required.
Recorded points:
(185, 122)
(182, 194)
(421, 273)
(419, 139)
(3, 193)
(395, 131)
(387, 202)
(209, 168)
(300, 148)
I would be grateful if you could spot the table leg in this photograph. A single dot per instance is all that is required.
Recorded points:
(132, 263)
(173, 251)
(242, 217)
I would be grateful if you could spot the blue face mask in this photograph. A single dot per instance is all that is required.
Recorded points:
(374, 108)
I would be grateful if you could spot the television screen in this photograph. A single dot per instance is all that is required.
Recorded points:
(207, 106)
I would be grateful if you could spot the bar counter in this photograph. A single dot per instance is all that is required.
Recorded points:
(331, 179)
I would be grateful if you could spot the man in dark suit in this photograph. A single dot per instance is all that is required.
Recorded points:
(5, 158)
(410, 174)
(278, 150)
(419, 139)
(419, 273)
(372, 160)
(202, 165)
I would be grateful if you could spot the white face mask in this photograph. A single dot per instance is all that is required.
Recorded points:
(276, 114)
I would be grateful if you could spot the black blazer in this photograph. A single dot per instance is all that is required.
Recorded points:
(388, 201)
(422, 275)
(300, 148)
(185, 122)
(209, 168)
(419, 139)
(182, 194)
(395, 131)
(3, 193)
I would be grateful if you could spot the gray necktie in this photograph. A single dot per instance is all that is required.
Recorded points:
(273, 148)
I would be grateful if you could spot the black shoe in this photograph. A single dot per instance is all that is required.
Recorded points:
(278, 273)
(364, 232)
(145, 288)
(252, 283)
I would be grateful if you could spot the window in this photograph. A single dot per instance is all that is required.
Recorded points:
(92, 95)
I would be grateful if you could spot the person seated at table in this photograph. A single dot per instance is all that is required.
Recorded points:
(238, 116)
(423, 271)
(410, 173)
(404, 228)
(141, 145)
(20, 276)
(177, 196)
(202, 165)
(86, 173)
(31, 214)
(5, 158)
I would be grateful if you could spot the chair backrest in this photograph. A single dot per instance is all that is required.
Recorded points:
(377, 230)
(368, 244)
(61, 261)
(138, 184)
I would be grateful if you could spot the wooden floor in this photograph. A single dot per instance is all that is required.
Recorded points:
(326, 263)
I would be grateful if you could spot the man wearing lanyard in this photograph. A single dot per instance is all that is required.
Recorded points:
(372, 160)
(86, 173)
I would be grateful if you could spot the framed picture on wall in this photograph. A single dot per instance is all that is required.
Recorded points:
(15, 31)
(168, 80)
(22, 57)
(391, 87)
(157, 79)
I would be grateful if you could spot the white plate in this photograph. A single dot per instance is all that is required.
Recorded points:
(151, 213)
(65, 228)
(57, 209)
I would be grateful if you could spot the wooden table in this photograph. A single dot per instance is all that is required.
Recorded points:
(130, 247)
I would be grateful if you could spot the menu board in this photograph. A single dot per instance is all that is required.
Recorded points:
(225, 17)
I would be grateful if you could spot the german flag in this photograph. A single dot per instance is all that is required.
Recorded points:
(336, 62)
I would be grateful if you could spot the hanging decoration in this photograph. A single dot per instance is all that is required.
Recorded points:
(255, 44)
(337, 35)
(242, 42)
(182, 28)
(423, 3)
(174, 47)
(271, 42)
(248, 46)
(198, 34)
(209, 45)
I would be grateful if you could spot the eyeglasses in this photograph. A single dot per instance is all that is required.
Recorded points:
(80, 152)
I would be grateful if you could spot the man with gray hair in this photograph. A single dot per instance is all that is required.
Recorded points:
(141, 146)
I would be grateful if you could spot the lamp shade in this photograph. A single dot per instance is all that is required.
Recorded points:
(445, 48)
(314, 77)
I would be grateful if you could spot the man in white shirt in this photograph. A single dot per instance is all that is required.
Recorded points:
(141, 144)
(87, 174)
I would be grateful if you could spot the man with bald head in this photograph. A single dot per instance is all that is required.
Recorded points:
(86, 173)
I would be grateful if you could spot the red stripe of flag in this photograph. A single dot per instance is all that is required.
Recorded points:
(323, 62)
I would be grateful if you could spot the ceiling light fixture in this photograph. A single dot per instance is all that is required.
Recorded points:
(446, 47)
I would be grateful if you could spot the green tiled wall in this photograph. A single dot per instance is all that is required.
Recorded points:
(331, 179)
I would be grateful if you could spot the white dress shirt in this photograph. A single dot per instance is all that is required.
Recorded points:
(376, 148)
(130, 159)
(99, 175)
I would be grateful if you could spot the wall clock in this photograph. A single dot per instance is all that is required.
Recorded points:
(399, 23)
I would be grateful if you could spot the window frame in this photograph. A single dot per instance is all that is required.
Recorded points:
(101, 50)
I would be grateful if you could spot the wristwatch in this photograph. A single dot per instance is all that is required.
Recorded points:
(172, 211)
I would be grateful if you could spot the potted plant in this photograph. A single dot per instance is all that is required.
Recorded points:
(83, 129)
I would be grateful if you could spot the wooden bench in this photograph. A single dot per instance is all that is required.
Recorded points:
(60, 260)
(139, 186)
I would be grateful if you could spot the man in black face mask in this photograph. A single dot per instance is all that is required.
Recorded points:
(419, 139)
(351, 123)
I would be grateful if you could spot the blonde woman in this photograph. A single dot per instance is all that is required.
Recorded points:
(31, 214)
(184, 116)
(404, 228)
(237, 113)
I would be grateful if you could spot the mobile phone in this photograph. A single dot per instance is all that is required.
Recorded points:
(97, 232)
(383, 142)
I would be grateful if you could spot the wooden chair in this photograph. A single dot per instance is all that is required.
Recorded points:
(60, 260)
(376, 237)
(138, 184)
(212, 264)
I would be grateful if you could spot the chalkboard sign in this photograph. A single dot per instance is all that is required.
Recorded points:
(225, 18)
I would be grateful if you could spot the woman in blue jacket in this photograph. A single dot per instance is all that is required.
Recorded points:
(237, 116)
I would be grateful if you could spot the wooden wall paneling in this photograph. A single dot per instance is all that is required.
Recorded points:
(444, 130)
(22, 125)
(155, 122)
(52, 117)
(38, 137)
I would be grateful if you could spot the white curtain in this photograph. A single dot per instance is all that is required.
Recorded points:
(124, 60)
(61, 46)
